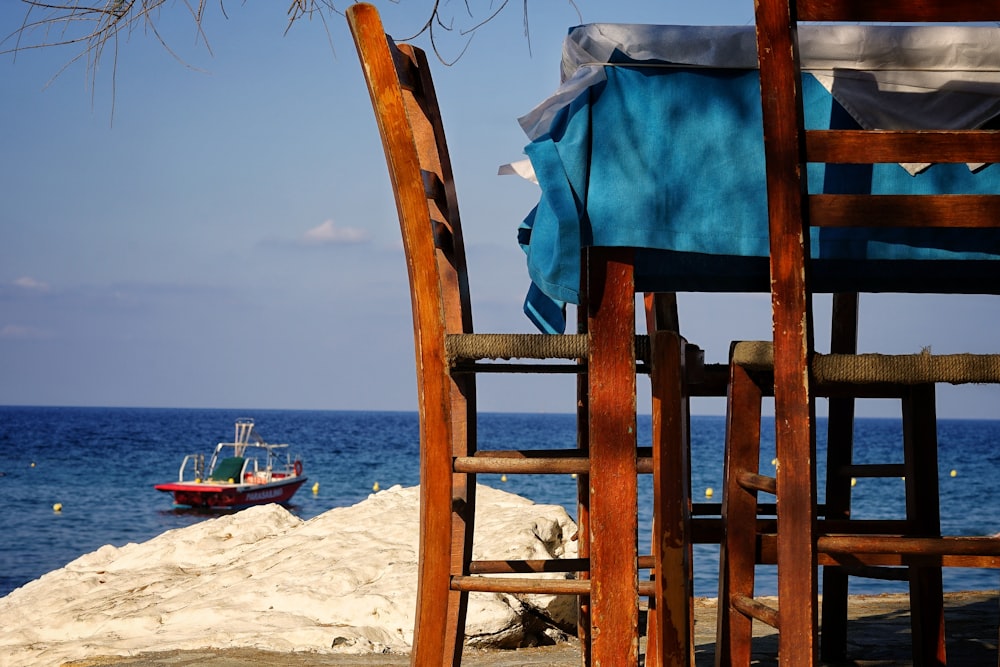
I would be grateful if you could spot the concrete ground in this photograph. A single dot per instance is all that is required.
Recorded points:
(878, 635)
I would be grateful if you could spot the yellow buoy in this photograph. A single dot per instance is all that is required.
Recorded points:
(32, 464)
(375, 486)
(316, 488)
(954, 473)
(774, 462)
(57, 507)
(709, 492)
(503, 478)
(854, 481)
(572, 475)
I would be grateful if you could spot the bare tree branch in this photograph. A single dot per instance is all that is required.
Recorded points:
(95, 25)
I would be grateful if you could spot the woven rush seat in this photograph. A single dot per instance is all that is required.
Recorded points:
(476, 347)
(874, 368)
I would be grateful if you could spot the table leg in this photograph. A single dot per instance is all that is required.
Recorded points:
(613, 484)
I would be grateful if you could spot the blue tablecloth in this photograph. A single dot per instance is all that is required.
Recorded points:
(669, 160)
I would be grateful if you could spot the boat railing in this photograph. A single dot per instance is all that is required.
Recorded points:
(197, 462)
(261, 464)
(258, 475)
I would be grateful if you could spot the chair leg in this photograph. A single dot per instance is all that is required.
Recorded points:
(614, 610)
(463, 511)
(583, 551)
(840, 441)
(670, 633)
(798, 585)
(462, 525)
(737, 556)
(435, 634)
(583, 500)
(923, 510)
(447, 514)
(840, 454)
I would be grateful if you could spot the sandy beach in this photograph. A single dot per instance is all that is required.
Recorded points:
(878, 636)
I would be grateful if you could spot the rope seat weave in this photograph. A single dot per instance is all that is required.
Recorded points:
(870, 368)
(466, 347)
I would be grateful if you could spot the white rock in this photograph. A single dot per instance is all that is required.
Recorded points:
(344, 581)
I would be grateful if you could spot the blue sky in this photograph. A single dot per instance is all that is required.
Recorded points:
(230, 239)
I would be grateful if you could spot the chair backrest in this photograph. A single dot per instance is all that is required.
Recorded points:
(409, 121)
(789, 148)
(402, 93)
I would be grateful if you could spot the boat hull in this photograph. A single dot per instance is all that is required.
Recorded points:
(231, 496)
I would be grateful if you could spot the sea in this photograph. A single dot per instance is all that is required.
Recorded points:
(100, 465)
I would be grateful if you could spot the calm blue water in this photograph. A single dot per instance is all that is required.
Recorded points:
(101, 463)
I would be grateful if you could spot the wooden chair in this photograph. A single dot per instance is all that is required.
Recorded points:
(752, 378)
(921, 510)
(744, 544)
(448, 358)
(798, 374)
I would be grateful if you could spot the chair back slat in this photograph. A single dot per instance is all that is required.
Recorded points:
(888, 146)
(406, 69)
(897, 11)
(874, 211)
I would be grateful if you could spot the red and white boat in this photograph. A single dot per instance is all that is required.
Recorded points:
(245, 472)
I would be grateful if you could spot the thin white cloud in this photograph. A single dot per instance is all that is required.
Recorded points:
(20, 332)
(330, 233)
(27, 282)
